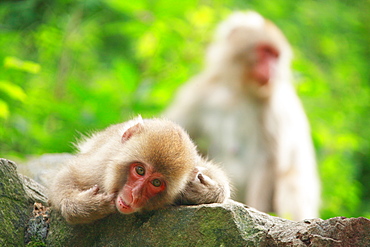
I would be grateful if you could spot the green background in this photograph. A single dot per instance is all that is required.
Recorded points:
(69, 66)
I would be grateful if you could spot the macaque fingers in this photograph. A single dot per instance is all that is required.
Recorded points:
(200, 178)
(91, 195)
(205, 180)
(94, 190)
(87, 206)
(204, 189)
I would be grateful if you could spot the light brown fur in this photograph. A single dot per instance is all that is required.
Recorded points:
(256, 129)
(88, 184)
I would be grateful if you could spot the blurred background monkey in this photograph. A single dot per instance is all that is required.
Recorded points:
(244, 112)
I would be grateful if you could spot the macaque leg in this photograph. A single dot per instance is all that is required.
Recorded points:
(260, 188)
(292, 198)
(286, 198)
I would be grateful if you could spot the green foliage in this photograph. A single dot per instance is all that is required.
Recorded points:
(74, 66)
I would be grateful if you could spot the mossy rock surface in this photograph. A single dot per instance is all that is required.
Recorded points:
(16, 203)
(230, 224)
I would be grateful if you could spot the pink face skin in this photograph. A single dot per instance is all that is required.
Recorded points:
(142, 184)
(266, 61)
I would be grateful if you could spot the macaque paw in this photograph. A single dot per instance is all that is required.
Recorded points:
(201, 179)
(93, 197)
(205, 180)
(201, 189)
(94, 190)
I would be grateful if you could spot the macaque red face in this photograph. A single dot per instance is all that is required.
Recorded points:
(265, 65)
(250, 54)
(142, 184)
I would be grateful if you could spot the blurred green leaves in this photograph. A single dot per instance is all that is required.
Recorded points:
(10, 92)
(75, 66)
(4, 109)
(16, 63)
(13, 91)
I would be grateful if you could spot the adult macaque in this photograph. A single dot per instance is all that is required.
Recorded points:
(243, 108)
(134, 166)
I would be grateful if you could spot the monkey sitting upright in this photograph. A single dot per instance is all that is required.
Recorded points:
(244, 109)
(135, 166)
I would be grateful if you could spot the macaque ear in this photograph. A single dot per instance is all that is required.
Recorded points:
(265, 66)
(132, 131)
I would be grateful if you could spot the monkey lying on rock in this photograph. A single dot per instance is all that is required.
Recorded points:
(135, 166)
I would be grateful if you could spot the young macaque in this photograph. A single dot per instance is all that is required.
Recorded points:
(135, 166)
(243, 110)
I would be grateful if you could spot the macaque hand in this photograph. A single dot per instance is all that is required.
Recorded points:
(202, 181)
(93, 196)
(202, 189)
(95, 201)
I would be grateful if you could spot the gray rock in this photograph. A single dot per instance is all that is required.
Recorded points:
(17, 196)
(229, 224)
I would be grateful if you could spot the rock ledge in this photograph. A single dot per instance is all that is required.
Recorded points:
(230, 224)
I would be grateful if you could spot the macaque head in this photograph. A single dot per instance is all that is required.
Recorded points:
(154, 162)
(252, 49)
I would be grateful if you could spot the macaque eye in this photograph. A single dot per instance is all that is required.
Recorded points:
(156, 182)
(140, 170)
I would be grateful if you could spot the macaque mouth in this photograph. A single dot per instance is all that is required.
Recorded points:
(123, 207)
(122, 203)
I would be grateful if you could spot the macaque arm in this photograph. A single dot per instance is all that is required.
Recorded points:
(79, 206)
(304, 199)
(207, 184)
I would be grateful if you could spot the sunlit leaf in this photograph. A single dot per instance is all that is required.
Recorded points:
(128, 76)
(4, 109)
(147, 45)
(203, 16)
(347, 141)
(127, 6)
(332, 46)
(12, 90)
(16, 63)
